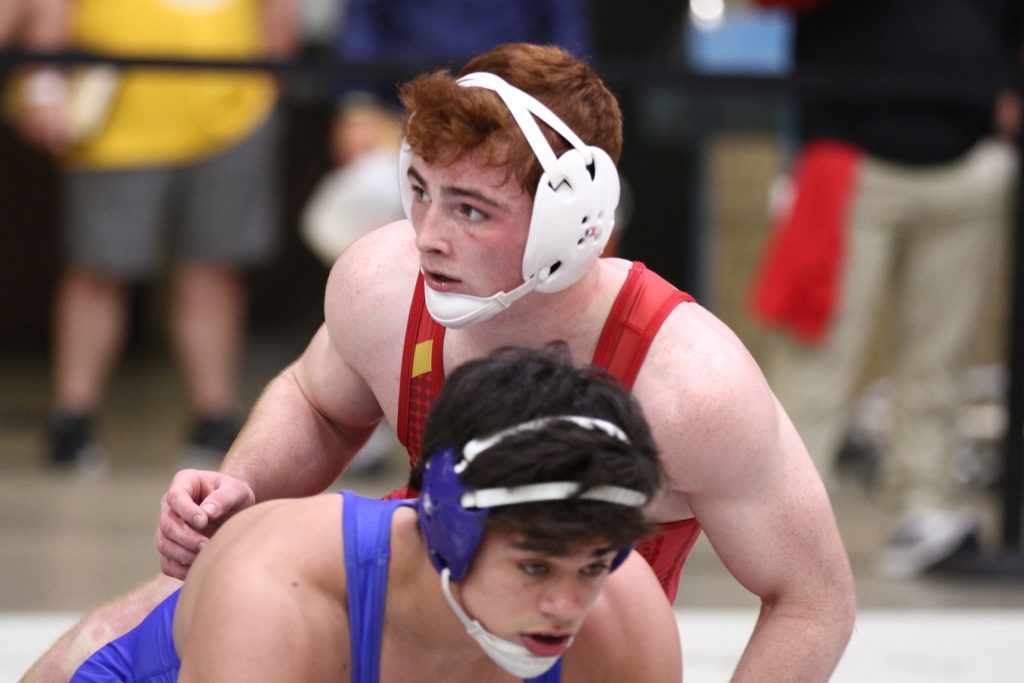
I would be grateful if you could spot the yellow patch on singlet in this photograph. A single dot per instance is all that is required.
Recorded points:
(421, 357)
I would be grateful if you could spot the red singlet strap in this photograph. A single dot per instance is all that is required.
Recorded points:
(422, 372)
(640, 308)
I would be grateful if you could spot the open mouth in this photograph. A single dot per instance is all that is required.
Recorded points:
(546, 644)
(438, 280)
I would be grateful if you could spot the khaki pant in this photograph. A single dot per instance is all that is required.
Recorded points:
(929, 238)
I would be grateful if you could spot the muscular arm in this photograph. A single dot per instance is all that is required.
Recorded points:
(296, 442)
(312, 418)
(308, 423)
(734, 454)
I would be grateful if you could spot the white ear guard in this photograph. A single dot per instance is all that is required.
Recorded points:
(404, 188)
(573, 208)
(574, 204)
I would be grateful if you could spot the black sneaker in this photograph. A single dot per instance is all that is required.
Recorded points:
(72, 447)
(209, 441)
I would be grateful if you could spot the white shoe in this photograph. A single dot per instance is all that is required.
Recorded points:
(924, 538)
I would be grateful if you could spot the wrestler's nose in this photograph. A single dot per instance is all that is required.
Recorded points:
(433, 234)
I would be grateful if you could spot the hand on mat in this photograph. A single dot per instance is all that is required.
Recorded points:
(195, 506)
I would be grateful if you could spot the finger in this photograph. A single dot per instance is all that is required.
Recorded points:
(182, 498)
(172, 528)
(227, 499)
(174, 569)
(173, 552)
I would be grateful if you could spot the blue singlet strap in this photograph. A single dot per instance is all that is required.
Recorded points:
(366, 524)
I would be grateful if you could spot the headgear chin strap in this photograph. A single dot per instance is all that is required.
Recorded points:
(455, 311)
(452, 515)
(573, 209)
(512, 657)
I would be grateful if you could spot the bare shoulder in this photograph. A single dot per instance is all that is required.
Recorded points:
(693, 345)
(630, 634)
(266, 541)
(367, 304)
(371, 273)
(705, 397)
(263, 528)
(270, 569)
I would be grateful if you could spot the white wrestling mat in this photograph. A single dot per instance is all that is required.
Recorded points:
(897, 646)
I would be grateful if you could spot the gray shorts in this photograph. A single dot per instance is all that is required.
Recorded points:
(222, 209)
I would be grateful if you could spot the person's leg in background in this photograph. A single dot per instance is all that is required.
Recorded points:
(815, 384)
(207, 327)
(227, 222)
(111, 230)
(89, 316)
(952, 251)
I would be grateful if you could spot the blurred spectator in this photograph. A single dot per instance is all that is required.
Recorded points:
(445, 33)
(448, 32)
(11, 19)
(660, 166)
(365, 128)
(900, 197)
(146, 152)
(360, 193)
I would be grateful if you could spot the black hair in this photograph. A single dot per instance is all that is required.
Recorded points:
(514, 385)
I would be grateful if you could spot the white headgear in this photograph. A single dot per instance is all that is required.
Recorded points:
(573, 209)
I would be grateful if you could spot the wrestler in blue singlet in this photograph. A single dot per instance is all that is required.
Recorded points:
(146, 654)
(367, 528)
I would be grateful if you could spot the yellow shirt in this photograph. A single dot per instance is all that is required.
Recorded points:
(165, 116)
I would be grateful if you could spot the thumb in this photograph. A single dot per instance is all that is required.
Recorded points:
(231, 496)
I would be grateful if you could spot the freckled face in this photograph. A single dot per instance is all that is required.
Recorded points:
(531, 598)
(471, 225)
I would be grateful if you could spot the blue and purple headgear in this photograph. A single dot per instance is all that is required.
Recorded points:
(452, 515)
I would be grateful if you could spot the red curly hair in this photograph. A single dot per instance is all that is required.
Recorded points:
(445, 122)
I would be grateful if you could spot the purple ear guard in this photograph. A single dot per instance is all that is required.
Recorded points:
(620, 557)
(451, 531)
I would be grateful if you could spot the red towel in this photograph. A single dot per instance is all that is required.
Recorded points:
(797, 286)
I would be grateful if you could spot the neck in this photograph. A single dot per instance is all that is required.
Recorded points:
(574, 315)
(423, 618)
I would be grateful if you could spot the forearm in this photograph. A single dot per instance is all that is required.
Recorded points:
(287, 448)
(280, 28)
(45, 25)
(11, 14)
(796, 643)
(808, 603)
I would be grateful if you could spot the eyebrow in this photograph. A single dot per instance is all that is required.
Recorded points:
(455, 191)
(531, 547)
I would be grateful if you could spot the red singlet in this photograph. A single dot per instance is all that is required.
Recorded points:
(641, 306)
